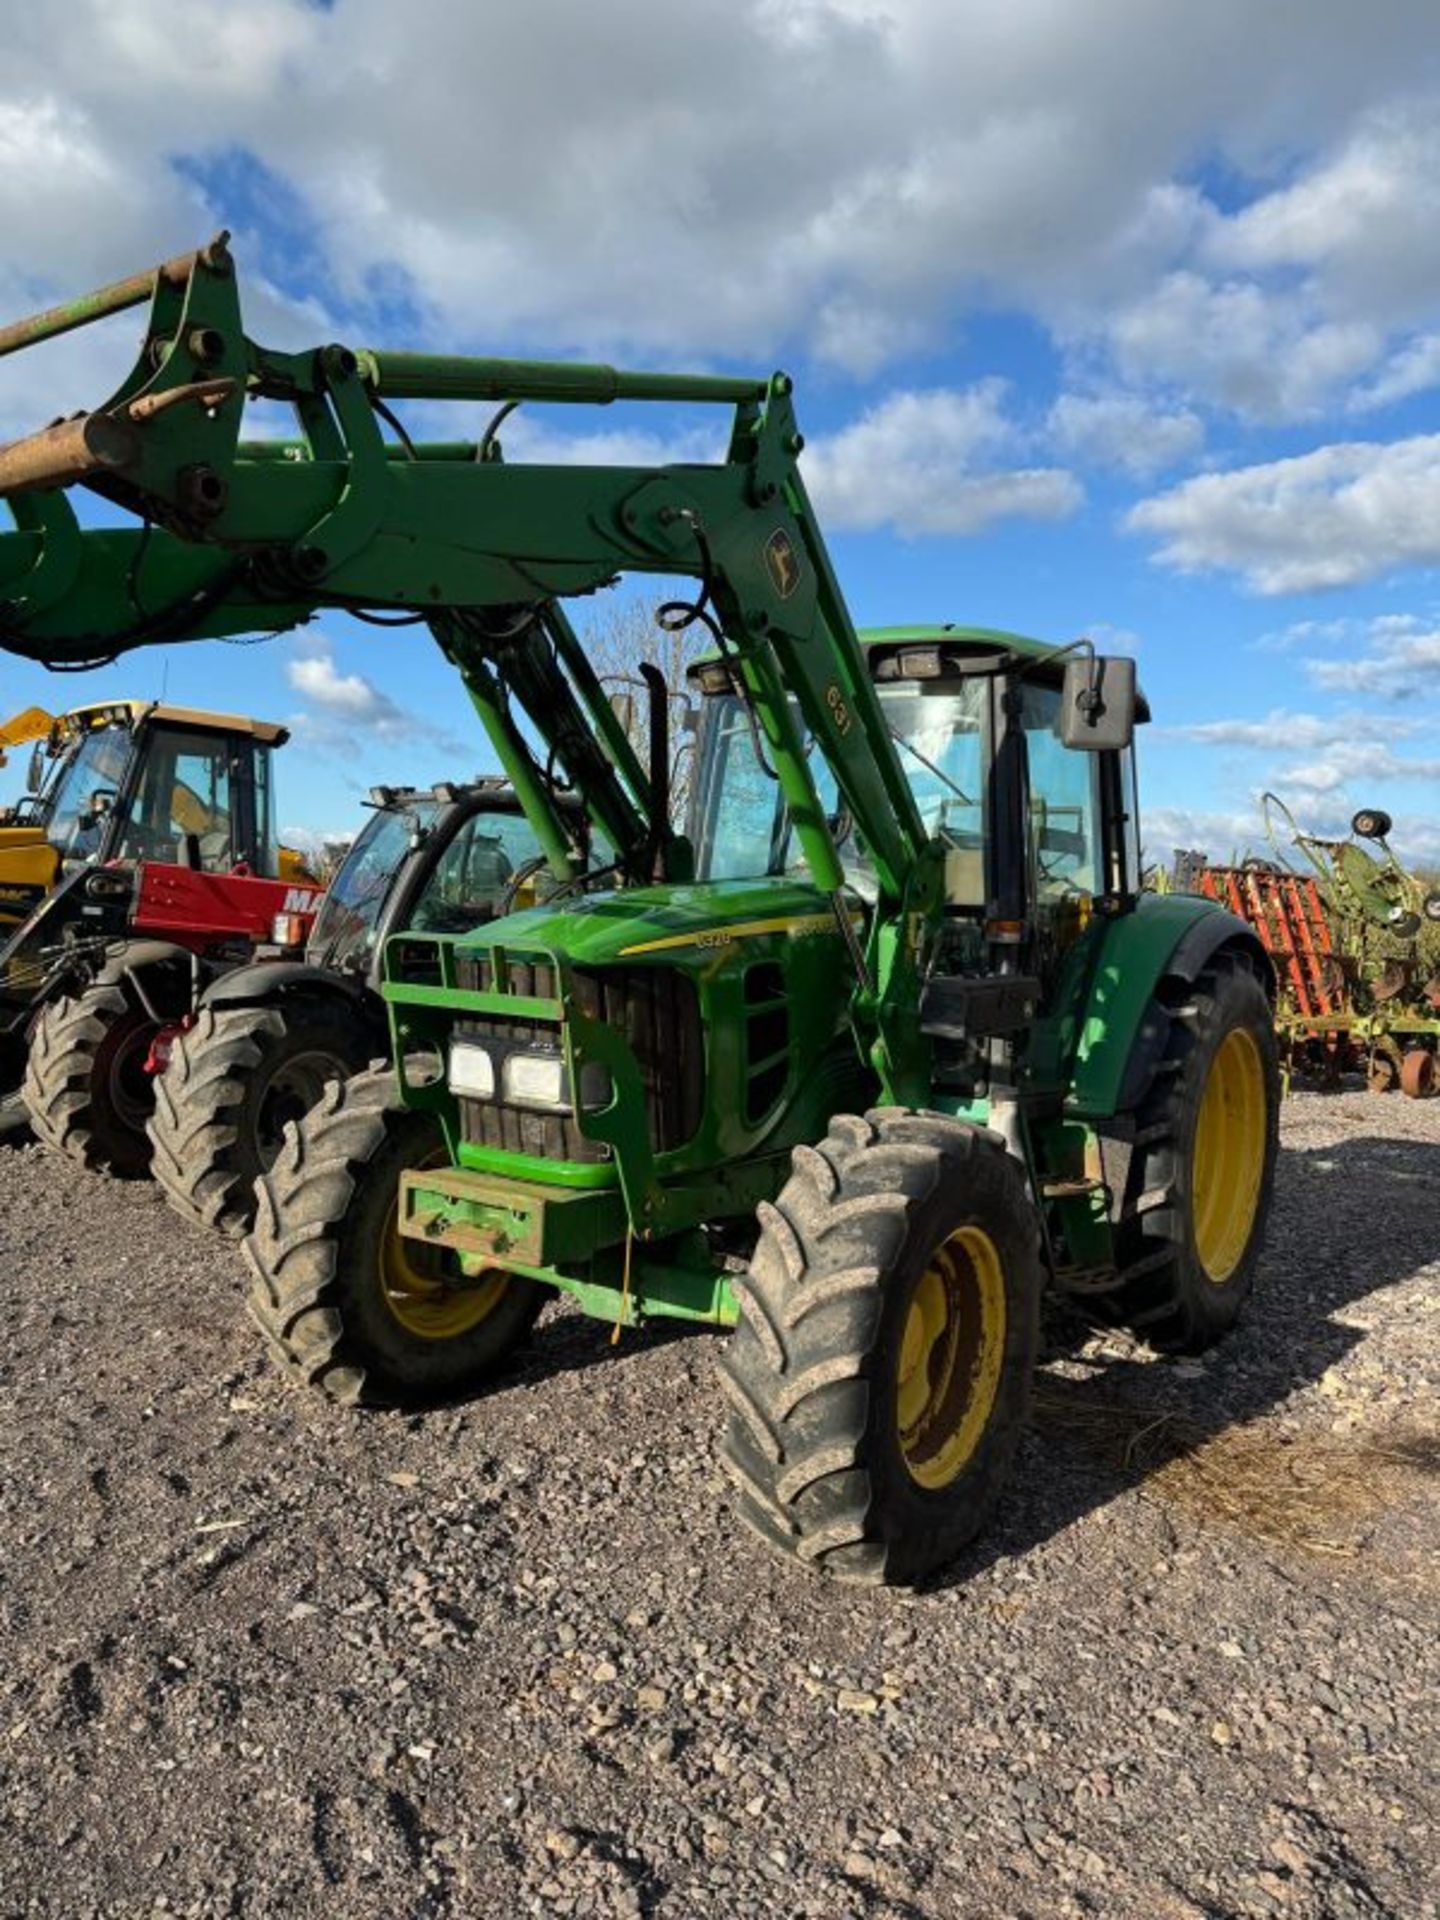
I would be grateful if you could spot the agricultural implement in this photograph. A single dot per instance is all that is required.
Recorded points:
(267, 1038)
(1355, 940)
(154, 866)
(884, 1039)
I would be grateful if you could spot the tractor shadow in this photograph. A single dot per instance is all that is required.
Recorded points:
(1108, 1418)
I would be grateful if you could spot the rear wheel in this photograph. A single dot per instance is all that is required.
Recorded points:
(86, 1088)
(1201, 1171)
(346, 1303)
(228, 1090)
(880, 1373)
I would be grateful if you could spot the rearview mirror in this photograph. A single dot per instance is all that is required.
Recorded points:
(35, 772)
(1097, 703)
(622, 705)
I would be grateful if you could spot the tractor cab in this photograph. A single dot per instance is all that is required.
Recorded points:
(1036, 833)
(132, 780)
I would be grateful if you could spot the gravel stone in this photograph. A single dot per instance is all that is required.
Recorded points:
(515, 1657)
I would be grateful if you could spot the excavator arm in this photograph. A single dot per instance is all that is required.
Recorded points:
(238, 536)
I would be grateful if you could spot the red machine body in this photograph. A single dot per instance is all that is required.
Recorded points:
(202, 910)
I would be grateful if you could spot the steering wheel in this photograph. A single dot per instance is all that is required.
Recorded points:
(511, 891)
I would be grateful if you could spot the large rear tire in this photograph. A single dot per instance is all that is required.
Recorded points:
(1197, 1196)
(880, 1373)
(86, 1089)
(230, 1086)
(346, 1304)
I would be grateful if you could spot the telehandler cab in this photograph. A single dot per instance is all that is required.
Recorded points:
(102, 774)
(886, 1038)
(266, 1038)
(146, 863)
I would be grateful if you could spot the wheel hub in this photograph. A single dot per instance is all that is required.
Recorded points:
(951, 1354)
(1228, 1164)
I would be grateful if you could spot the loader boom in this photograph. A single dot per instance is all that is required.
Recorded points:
(237, 536)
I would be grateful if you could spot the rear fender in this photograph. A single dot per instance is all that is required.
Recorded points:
(1113, 1024)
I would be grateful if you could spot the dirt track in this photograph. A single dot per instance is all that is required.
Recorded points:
(260, 1657)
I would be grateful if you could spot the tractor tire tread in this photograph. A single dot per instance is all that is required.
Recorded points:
(58, 1074)
(1150, 1294)
(198, 1157)
(796, 1370)
(299, 1295)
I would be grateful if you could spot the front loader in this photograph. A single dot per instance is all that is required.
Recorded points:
(884, 1042)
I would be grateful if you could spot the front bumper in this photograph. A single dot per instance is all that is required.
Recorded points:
(510, 1223)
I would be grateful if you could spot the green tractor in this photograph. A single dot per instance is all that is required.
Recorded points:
(886, 1041)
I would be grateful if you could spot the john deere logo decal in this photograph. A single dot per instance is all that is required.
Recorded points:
(783, 562)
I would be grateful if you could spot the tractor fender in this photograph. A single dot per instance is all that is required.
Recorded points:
(1116, 1028)
(264, 980)
(150, 957)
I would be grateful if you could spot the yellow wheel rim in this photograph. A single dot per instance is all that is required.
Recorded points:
(419, 1283)
(947, 1377)
(1229, 1157)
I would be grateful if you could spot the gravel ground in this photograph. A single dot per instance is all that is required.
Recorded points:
(259, 1657)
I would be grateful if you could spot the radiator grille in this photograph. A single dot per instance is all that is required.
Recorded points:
(657, 1011)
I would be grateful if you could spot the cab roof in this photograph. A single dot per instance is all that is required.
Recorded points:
(961, 641)
(134, 713)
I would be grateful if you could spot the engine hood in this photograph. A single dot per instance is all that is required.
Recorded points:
(679, 924)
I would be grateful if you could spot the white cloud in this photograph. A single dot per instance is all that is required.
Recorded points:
(1401, 664)
(314, 841)
(1412, 369)
(1124, 430)
(1222, 834)
(1260, 353)
(1344, 513)
(1281, 731)
(839, 174)
(1348, 761)
(932, 462)
(350, 694)
(348, 705)
(1361, 222)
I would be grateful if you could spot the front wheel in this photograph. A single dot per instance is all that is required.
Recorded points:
(880, 1373)
(230, 1086)
(346, 1303)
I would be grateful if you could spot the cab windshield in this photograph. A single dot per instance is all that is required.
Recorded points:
(743, 829)
(85, 778)
(344, 931)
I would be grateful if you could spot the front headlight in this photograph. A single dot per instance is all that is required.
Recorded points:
(471, 1072)
(535, 1080)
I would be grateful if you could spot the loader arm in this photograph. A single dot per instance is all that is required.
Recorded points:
(237, 536)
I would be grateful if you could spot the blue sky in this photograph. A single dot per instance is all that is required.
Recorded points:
(1120, 319)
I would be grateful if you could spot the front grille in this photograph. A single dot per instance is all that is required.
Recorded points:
(657, 1011)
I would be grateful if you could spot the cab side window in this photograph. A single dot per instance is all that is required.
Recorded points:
(184, 797)
(469, 877)
(1064, 825)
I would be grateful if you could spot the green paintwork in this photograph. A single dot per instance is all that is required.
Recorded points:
(715, 935)
(1085, 1042)
(233, 537)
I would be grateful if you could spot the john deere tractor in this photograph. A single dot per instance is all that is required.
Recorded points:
(266, 1038)
(883, 1043)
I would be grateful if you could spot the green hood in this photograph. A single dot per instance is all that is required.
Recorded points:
(666, 922)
